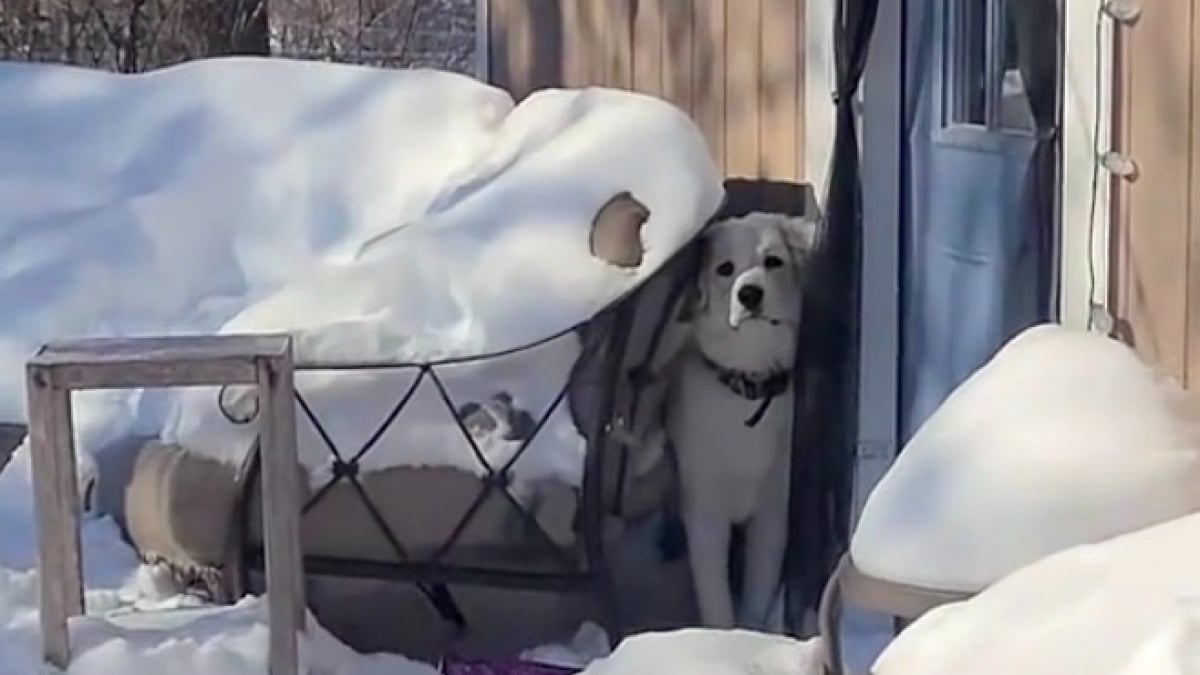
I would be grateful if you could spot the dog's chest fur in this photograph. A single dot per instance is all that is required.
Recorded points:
(726, 467)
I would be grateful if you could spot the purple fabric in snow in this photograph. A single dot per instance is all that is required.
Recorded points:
(510, 667)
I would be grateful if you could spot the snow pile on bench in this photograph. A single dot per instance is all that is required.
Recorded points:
(1127, 606)
(377, 215)
(1063, 438)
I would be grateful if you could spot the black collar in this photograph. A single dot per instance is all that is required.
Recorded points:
(751, 386)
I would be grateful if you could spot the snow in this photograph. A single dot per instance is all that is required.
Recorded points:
(1063, 438)
(1125, 606)
(702, 651)
(377, 215)
(714, 652)
(401, 216)
(589, 644)
(136, 621)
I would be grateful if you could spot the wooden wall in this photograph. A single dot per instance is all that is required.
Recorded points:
(735, 65)
(1156, 239)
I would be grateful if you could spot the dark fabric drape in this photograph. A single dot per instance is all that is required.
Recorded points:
(918, 27)
(825, 434)
(1036, 26)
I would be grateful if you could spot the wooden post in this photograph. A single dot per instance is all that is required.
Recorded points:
(281, 511)
(56, 507)
(59, 369)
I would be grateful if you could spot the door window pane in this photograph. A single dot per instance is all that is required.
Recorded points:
(983, 82)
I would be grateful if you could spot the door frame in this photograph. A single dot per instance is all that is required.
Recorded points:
(1083, 255)
(882, 175)
(1087, 91)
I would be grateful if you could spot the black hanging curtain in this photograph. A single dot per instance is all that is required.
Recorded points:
(1036, 24)
(825, 432)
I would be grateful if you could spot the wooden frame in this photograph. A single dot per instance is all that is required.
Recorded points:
(849, 587)
(988, 136)
(126, 363)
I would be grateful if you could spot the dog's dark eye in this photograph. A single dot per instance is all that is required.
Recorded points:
(725, 269)
(772, 261)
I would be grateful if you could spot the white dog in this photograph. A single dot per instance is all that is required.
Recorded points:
(728, 412)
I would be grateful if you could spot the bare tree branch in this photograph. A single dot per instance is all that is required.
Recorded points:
(135, 35)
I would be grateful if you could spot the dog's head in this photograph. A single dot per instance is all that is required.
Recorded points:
(746, 305)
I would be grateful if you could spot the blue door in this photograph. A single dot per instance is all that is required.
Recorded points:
(978, 238)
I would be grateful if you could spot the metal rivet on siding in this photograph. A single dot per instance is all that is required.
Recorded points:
(1119, 164)
(1125, 11)
(1102, 320)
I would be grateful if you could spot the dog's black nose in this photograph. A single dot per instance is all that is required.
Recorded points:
(751, 296)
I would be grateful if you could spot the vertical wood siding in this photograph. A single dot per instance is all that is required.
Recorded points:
(1156, 242)
(736, 66)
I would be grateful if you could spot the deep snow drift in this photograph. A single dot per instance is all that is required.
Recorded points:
(377, 215)
(1063, 438)
(1127, 606)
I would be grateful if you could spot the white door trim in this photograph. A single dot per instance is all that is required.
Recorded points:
(1084, 238)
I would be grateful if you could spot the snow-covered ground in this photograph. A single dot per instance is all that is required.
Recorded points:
(375, 214)
(137, 623)
(700, 651)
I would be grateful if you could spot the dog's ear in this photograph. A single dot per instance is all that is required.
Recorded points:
(802, 234)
